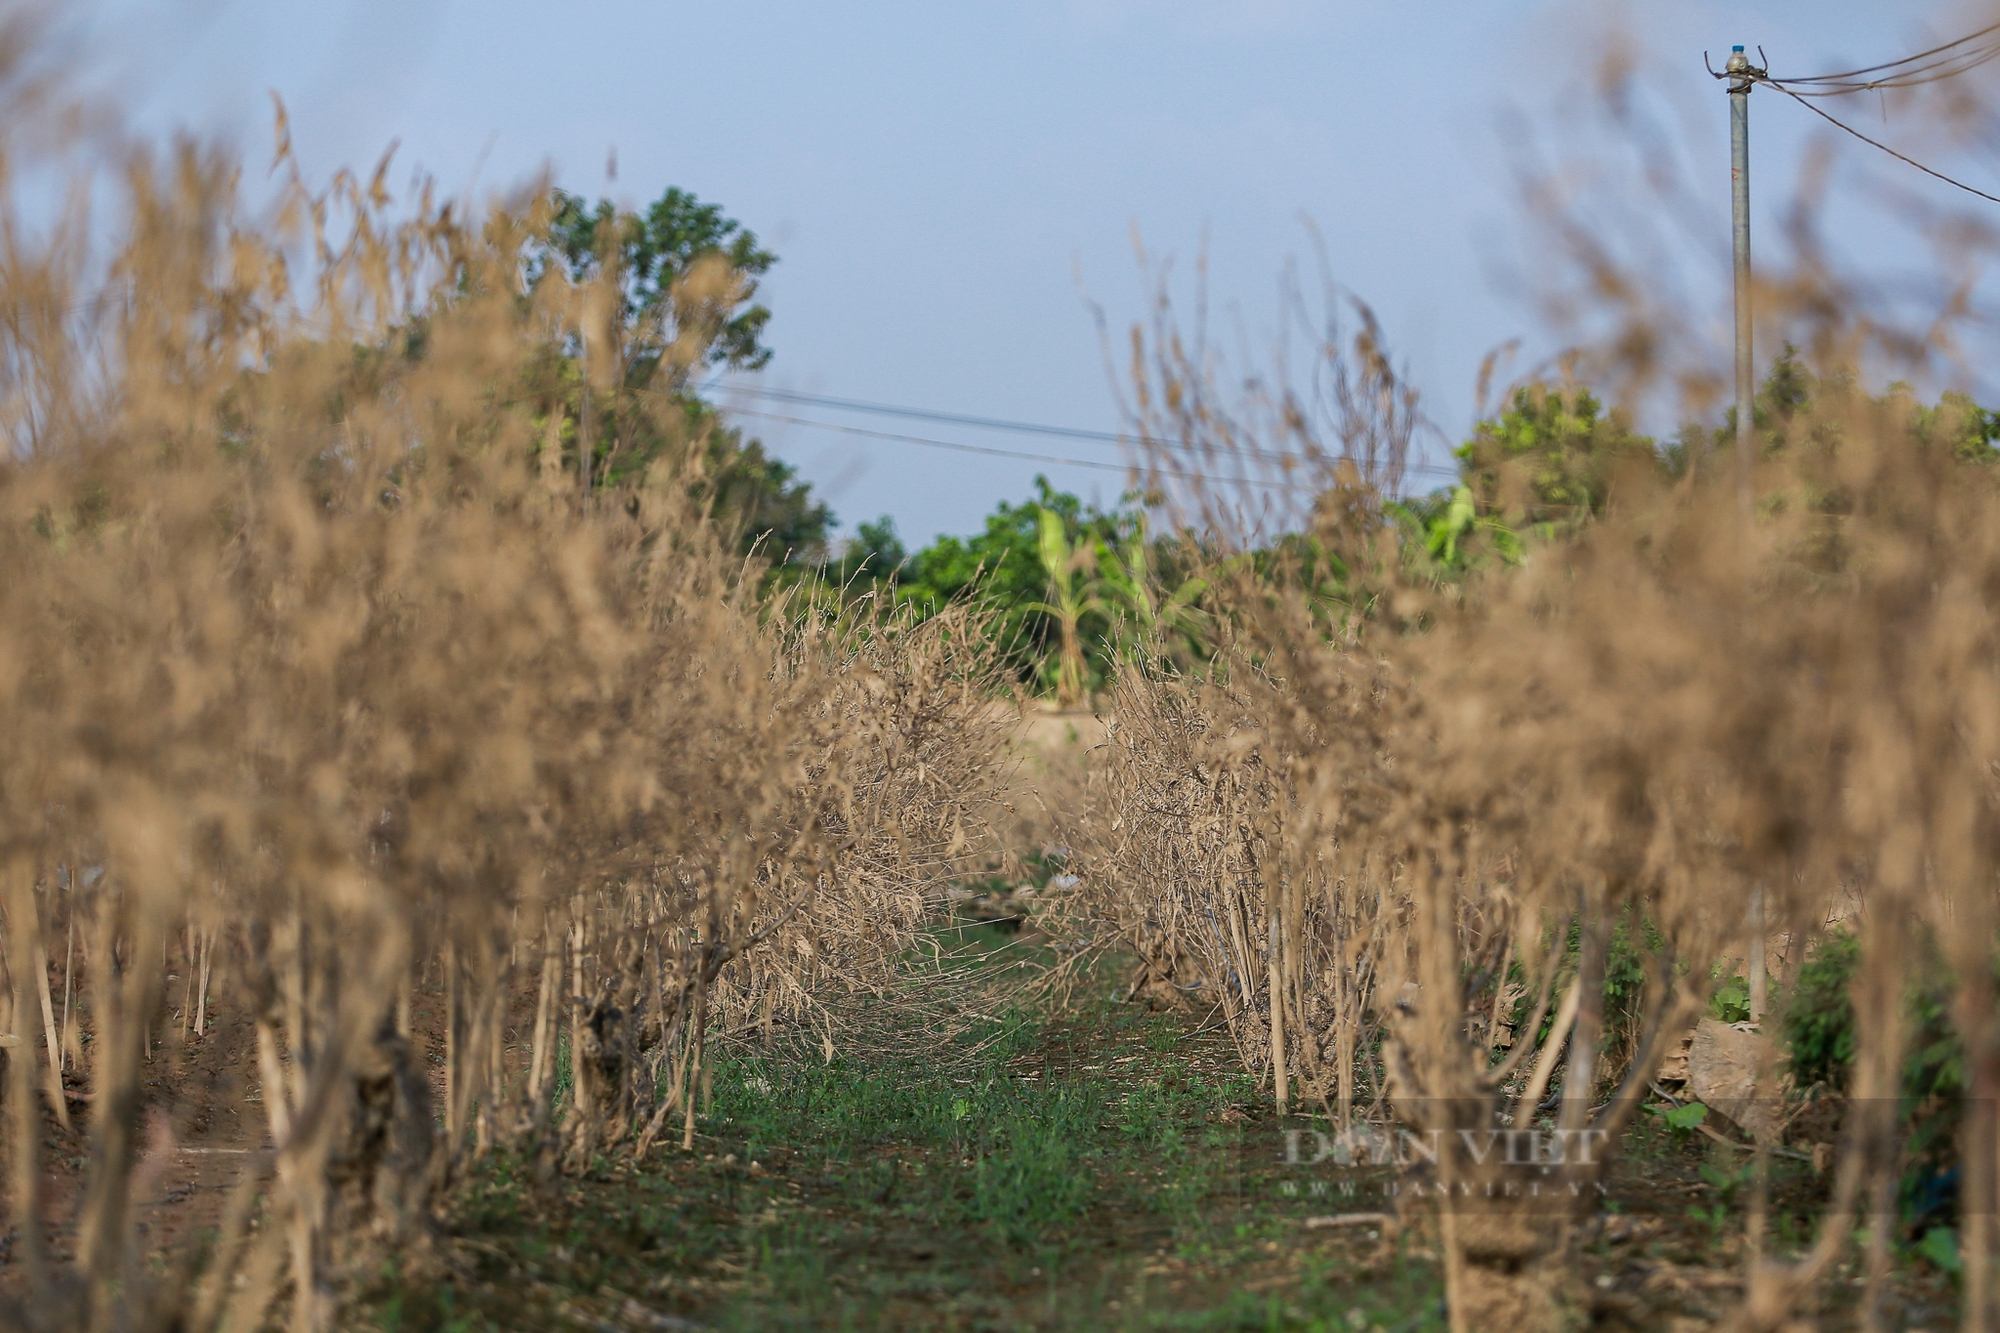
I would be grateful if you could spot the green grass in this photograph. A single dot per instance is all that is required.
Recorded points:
(1101, 1168)
(1072, 1173)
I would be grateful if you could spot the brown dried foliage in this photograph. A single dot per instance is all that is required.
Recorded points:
(329, 694)
(1327, 839)
(1348, 826)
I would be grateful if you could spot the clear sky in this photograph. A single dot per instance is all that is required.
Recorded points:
(951, 186)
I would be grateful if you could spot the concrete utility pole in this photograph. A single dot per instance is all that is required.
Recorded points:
(1741, 76)
(1739, 199)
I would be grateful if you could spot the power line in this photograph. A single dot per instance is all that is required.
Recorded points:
(980, 422)
(1945, 62)
(1940, 62)
(1027, 427)
(950, 418)
(983, 423)
(1011, 453)
(1949, 62)
(1901, 157)
(1914, 78)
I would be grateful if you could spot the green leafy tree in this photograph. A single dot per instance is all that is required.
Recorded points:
(1145, 620)
(1549, 460)
(758, 500)
(616, 390)
(1007, 567)
(1544, 467)
(1808, 415)
(654, 256)
(1969, 430)
(1455, 534)
(1788, 388)
(871, 559)
(1072, 596)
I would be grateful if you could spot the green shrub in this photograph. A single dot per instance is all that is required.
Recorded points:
(1821, 1040)
(1820, 1035)
(1819, 1014)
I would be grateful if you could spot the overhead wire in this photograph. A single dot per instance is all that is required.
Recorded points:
(967, 419)
(960, 447)
(1875, 143)
(950, 418)
(1944, 62)
(1936, 72)
(1026, 427)
(1950, 60)
(980, 422)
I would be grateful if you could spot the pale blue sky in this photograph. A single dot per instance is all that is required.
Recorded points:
(948, 185)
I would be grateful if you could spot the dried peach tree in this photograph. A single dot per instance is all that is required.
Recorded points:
(1392, 811)
(369, 785)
